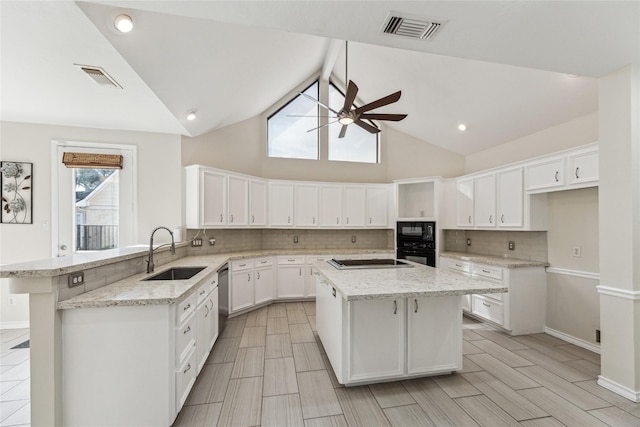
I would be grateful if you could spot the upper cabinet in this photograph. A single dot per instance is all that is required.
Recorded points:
(417, 199)
(331, 206)
(484, 200)
(464, 198)
(582, 168)
(354, 205)
(257, 202)
(576, 168)
(206, 197)
(306, 205)
(509, 198)
(377, 206)
(281, 208)
(545, 175)
(238, 200)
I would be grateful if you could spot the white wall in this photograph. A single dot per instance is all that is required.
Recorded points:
(159, 190)
(580, 131)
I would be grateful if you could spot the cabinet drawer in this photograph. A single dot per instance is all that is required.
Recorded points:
(290, 260)
(312, 259)
(488, 308)
(185, 308)
(206, 287)
(185, 339)
(244, 264)
(461, 266)
(487, 271)
(263, 262)
(185, 378)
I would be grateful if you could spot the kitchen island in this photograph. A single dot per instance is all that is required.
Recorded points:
(380, 325)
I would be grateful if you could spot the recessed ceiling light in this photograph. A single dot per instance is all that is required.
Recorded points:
(462, 127)
(191, 115)
(572, 76)
(123, 23)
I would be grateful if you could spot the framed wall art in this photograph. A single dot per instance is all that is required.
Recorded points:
(16, 183)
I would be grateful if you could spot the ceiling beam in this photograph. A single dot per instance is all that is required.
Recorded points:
(334, 49)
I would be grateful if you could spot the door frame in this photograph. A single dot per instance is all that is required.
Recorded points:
(55, 195)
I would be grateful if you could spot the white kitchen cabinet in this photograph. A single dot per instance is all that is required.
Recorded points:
(377, 206)
(509, 198)
(583, 167)
(238, 202)
(264, 280)
(291, 276)
(212, 324)
(206, 319)
(464, 199)
(257, 203)
(545, 174)
(484, 200)
(330, 206)
(241, 287)
(206, 197)
(376, 339)
(463, 268)
(281, 204)
(306, 205)
(417, 199)
(310, 273)
(429, 322)
(354, 206)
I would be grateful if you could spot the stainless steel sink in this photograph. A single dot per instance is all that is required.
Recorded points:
(176, 273)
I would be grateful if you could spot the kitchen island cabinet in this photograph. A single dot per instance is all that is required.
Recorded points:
(381, 325)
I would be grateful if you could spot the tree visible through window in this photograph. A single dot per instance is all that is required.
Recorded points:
(288, 128)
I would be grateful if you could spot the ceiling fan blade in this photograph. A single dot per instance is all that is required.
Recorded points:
(319, 103)
(389, 99)
(343, 131)
(326, 117)
(321, 126)
(352, 91)
(366, 126)
(374, 116)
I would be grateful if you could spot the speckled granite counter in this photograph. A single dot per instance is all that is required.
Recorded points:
(419, 281)
(494, 260)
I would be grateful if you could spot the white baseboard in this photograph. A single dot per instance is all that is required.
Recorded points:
(619, 389)
(573, 340)
(14, 325)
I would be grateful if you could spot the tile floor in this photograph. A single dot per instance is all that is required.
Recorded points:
(14, 379)
(268, 368)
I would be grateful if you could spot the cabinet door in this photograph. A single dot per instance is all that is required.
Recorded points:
(213, 199)
(281, 204)
(202, 342)
(429, 321)
(238, 200)
(464, 198)
(330, 205)
(484, 201)
(264, 285)
(583, 167)
(376, 339)
(510, 198)
(291, 281)
(310, 276)
(257, 203)
(377, 207)
(212, 329)
(241, 290)
(354, 206)
(306, 202)
(329, 324)
(546, 174)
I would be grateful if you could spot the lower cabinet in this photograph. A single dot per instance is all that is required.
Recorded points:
(310, 274)
(291, 276)
(242, 285)
(140, 360)
(377, 340)
(264, 280)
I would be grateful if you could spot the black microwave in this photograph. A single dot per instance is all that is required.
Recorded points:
(415, 231)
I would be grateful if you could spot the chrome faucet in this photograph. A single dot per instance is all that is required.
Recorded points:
(150, 264)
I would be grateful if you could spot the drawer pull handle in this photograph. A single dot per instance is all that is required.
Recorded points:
(253, 219)
(202, 292)
(458, 265)
(242, 265)
(206, 314)
(486, 305)
(370, 220)
(288, 220)
(186, 331)
(490, 219)
(187, 307)
(220, 217)
(188, 368)
(395, 307)
(485, 271)
(300, 272)
(248, 277)
(347, 220)
(337, 220)
(333, 292)
(231, 217)
(291, 260)
(314, 220)
(263, 262)
(415, 305)
(213, 282)
(258, 275)
(557, 173)
(469, 219)
(502, 218)
(577, 175)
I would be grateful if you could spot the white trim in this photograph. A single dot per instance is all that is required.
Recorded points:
(623, 391)
(619, 293)
(14, 325)
(573, 340)
(575, 273)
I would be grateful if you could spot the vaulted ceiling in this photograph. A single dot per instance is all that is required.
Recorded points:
(501, 67)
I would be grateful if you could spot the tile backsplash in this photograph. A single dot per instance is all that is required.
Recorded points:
(529, 245)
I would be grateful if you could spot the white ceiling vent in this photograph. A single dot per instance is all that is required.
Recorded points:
(100, 76)
(400, 24)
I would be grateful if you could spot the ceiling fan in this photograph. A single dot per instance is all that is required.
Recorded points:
(349, 115)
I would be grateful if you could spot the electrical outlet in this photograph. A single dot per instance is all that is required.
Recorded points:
(576, 251)
(76, 279)
(468, 242)
(196, 242)
(353, 239)
(212, 241)
(512, 245)
(597, 335)
(295, 239)
(11, 301)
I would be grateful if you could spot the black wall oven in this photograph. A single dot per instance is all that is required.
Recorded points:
(416, 241)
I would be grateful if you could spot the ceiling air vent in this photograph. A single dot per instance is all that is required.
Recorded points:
(100, 76)
(415, 28)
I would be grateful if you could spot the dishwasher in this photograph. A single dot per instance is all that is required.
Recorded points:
(223, 296)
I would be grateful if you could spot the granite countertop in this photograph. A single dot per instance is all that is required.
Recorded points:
(494, 260)
(135, 290)
(419, 281)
